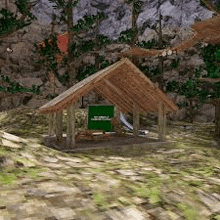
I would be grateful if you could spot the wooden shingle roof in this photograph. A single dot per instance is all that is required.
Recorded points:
(122, 83)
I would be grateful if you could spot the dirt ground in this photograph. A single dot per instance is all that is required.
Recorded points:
(114, 141)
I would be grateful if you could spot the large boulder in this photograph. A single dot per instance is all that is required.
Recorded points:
(178, 116)
(29, 81)
(208, 111)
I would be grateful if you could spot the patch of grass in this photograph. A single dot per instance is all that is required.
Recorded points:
(153, 194)
(100, 200)
(195, 183)
(188, 211)
(203, 171)
(8, 178)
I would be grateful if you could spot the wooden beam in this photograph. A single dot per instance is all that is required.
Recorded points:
(119, 94)
(112, 96)
(59, 130)
(51, 124)
(158, 92)
(117, 112)
(70, 139)
(161, 121)
(134, 91)
(84, 85)
(135, 120)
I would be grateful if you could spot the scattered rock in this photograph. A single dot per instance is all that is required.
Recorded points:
(6, 162)
(126, 172)
(210, 201)
(50, 159)
(174, 151)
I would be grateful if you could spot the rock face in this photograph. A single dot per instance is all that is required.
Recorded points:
(21, 65)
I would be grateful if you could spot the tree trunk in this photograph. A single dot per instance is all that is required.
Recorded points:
(160, 36)
(217, 119)
(191, 116)
(71, 66)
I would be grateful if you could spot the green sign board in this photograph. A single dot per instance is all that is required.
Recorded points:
(99, 117)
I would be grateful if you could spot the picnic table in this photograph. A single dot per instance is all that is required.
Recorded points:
(89, 135)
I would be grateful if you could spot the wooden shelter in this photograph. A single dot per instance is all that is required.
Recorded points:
(124, 85)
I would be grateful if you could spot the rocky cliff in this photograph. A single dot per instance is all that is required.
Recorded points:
(177, 18)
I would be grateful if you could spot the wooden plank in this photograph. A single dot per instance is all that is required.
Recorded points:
(111, 95)
(50, 121)
(84, 84)
(135, 120)
(51, 131)
(143, 78)
(156, 94)
(69, 128)
(129, 77)
(117, 112)
(112, 99)
(161, 121)
(122, 94)
(72, 113)
(131, 93)
(59, 130)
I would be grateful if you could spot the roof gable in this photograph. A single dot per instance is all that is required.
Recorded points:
(122, 83)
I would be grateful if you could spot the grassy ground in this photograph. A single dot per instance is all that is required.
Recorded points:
(166, 178)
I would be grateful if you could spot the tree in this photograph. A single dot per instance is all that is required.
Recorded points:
(66, 8)
(9, 22)
(79, 49)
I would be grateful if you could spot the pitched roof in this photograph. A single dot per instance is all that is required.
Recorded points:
(121, 83)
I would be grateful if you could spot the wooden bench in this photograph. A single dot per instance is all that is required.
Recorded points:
(89, 135)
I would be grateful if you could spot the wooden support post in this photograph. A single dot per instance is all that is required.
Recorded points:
(117, 113)
(59, 130)
(70, 139)
(161, 122)
(51, 124)
(87, 117)
(135, 120)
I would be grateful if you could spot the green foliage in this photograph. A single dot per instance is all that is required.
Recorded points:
(103, 40)
(86, 46)
(48, 53)
(172, 86)
(127, 36)
(217, 55)
(63, 79)
(51, 96)
(22, 6)
(198, 72)
(61, 4)
(137, 5)
(149, 44)
(88, 21)
(9, 21)
(16, 87)
(211, 56)
(175, 63)
(86, 71)
(189, 88)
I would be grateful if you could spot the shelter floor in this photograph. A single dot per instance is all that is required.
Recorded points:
(114, 141)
